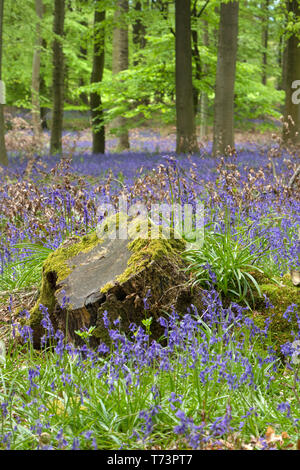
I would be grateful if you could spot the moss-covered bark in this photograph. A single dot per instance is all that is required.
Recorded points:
(155, 267)
(55, 270)
(114, 276)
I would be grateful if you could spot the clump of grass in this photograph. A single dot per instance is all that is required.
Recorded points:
(229, 259)
(26, 271)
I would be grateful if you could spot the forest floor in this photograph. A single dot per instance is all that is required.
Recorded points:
(221, 380)
(155, 139)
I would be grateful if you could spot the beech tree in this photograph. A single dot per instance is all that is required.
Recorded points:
(3, 154)
(43, 87)
(223, 132)
(98, 128)
(144, 90)
(186, 140)
(58, 78)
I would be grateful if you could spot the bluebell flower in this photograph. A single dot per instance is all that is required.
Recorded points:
(145, 299)
(4, 409)
(105, 319)
(33, 373)
(76, 444)
(175, 399)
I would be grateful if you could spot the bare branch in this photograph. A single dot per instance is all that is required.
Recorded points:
(293, 178)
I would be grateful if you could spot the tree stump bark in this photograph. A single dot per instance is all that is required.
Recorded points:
(131, 280)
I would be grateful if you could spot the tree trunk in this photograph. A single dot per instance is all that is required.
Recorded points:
(138, 31)
(97, 73)
(120, 62)
(197, 61)
(186, 140)
(83, 54)
(265, 37)
(58, 78)
(204, 97)
(225, 78)
(36, 66)
(291, 129)
(3, 154)
(43, 110)
(44, 92)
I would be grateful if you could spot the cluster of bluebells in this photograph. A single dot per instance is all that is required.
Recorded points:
(194, 434)
(203, 344)
(68, 203)
(187, 341)
(46, 324)
(33, 373)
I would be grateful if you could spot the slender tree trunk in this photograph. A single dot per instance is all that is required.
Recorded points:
(36, 66)
(43, 110)
(83, 55)
(98, 128)
(197, 61)
(292, 108)
(204, 97)
(83, 52)
(43, 86)
(3, 154)
(138, 31)
(186, 140)
(225, 78)
(58, 78)
(120, 63)
(265, 38)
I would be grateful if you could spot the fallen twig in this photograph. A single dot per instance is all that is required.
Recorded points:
(23, 292)
(294, 176)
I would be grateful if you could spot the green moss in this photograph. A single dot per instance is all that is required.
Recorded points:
(57, 261)
(143, 252)
(261, 277)
(281, 296)
(46, 299)
(107, 287)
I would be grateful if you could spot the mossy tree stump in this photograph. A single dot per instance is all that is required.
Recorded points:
(87, 277)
